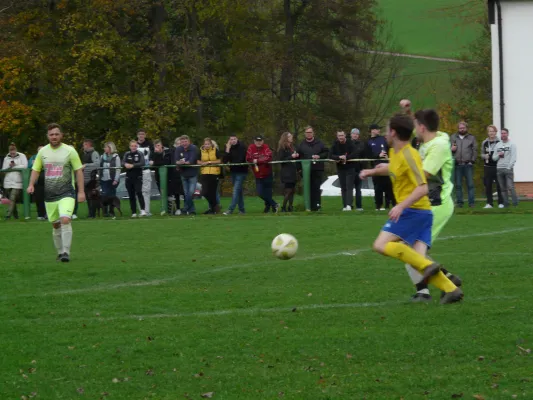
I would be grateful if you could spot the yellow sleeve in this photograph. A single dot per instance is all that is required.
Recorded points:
(75, 160)
(38, 163)
(414, 168)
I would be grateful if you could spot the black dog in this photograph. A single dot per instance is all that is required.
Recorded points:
(92, 191)
(99, 202)
(112, 202)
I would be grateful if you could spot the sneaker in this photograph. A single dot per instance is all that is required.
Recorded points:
(134, 215)
(487, 206)
(58, 258)
(276, 208)
(143, 213)
(429, 272)
(191, 213)
(242, 212)
(360, 209)
(347, 208)
(421, 298)
(74, 216)
(41, 218)
(178, 212)
(266, 209)
(148, 214)
(381, 209)
(501, 206)
(452, 297)
(65, 257)
(229, 212)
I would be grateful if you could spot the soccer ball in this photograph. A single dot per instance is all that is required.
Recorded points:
(284, 246)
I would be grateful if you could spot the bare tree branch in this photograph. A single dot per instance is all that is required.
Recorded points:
(6, 8)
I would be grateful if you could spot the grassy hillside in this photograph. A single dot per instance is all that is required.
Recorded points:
(438, 28)
(432, 28)
(429, 82)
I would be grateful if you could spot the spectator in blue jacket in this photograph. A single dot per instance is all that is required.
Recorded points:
(378, 149)
(186, 154)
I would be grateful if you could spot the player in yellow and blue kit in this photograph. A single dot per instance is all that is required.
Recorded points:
(60, 162)
(407, 234)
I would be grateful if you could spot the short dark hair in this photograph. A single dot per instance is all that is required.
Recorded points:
(505, 129)
(141, 131)
(403, 126)
(88, 141)
(53, 125)
(429, 118)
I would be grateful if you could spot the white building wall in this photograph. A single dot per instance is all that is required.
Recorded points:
(517, 27)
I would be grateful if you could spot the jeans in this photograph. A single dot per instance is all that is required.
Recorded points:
(108, 189)
(147, 189)
(209, 190)
(189, 186)
(383, 186)
(237, 179)
(13, 195)
(506, 180)
(466, 171)
(346, 179)
(358, 194)
(218, 189)
(134, 188)
(264, 190)
(490, 177)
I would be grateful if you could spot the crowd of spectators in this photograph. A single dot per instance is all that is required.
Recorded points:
(195, 164)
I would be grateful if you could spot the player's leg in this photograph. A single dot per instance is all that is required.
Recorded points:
(66, 208)
(391, 245)
(441, 216)
(52, 210)
(451, 293)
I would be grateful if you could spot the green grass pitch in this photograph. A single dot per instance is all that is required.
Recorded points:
(177, 308)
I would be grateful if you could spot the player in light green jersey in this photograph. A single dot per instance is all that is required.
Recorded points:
(60, 163)
(437, 162)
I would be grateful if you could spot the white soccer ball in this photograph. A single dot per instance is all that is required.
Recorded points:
(284, 246)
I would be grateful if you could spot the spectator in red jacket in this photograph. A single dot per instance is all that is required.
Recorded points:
(260, 154)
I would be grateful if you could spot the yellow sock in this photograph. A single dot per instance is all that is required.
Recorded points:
(406, 254)
(442, 282)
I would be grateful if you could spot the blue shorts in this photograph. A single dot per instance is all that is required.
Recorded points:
(413, 226)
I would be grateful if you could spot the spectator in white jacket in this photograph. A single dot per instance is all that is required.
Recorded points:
(13, 180)
(505, 155)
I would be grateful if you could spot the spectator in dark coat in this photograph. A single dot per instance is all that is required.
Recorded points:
(313, 149)
(289, 170)
(163, 156)
(359, 153)
(235, 153)
(378, 149)
(341, 151)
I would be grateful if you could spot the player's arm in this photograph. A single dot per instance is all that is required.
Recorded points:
(378, 170)
(435, 159)
(77, 166)
(35, 172)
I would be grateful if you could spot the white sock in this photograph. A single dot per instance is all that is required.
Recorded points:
(58, 243)
(66, 235)
(415, 276)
